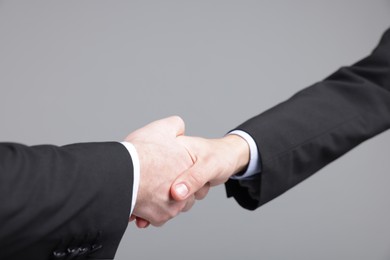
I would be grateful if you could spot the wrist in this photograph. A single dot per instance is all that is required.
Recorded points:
(240, 152)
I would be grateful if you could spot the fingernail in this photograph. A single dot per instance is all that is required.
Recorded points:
(181, 190)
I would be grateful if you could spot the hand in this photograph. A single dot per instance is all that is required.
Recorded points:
(215, 160)
(162, 158)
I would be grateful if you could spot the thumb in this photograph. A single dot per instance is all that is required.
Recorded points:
(188, 183)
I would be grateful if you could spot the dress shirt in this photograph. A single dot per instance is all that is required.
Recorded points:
(136, 171)
(254, 165)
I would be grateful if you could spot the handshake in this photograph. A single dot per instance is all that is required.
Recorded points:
(176, 170)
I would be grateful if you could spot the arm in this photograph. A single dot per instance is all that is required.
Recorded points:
(317, 125)
(55, 198)
(75, 200)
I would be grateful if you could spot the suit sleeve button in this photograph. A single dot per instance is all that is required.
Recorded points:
(59, 254)
(84, 250)
(74, 251)
(95, 247)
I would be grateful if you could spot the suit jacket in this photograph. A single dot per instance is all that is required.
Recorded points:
(70, 202)
(317, 125)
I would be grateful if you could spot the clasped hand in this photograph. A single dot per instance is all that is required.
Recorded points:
(176, 170)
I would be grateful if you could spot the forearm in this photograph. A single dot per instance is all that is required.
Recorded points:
(317, 125)
(57, 193)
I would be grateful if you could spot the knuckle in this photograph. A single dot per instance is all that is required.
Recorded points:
(178, 120)
(160, 221)
(172, 211)
(177, 208)
(183, 207)
(159, 224)
(188, 206)
(200, 195)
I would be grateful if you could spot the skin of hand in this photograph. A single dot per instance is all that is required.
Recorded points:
(162, 158)
(215, 161)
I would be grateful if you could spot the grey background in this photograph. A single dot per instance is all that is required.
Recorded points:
(78, 71)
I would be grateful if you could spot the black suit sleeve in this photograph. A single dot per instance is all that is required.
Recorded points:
(62, 201)
(317, 125)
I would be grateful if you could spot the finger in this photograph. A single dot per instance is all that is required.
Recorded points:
(132, 218)
(202, 193)
(141, 223)
(188, 182)
(189, 204)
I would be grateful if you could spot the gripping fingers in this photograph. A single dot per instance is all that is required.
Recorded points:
(189, 204)
(202, 193)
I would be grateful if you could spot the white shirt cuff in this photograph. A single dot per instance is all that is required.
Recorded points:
(254, 166)
(136, 171)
